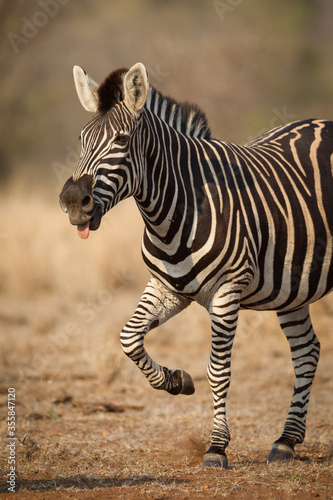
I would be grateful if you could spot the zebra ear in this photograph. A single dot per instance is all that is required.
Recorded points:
(86, 89)
(136, 87)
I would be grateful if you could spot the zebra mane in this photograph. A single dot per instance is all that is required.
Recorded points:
(110, 92)
(186, 117)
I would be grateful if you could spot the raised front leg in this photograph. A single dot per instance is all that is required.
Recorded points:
(305, 348)
(224, 315)
(156, 306)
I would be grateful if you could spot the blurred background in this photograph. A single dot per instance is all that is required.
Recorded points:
(249, 64)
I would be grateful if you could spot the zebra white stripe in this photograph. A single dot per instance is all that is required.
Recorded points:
(228, 226)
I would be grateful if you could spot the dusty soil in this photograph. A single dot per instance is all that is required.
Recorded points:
(88, 425)
(107, 434)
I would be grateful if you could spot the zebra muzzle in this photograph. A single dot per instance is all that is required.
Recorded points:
(77, 200)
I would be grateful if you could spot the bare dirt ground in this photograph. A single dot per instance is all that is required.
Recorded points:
(88, 425)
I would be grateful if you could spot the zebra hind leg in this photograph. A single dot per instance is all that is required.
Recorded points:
(305, 348)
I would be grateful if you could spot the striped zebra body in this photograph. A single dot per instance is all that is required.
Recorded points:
(254, 196)
(228, 226)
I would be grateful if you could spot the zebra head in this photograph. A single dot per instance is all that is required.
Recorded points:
(109, 169)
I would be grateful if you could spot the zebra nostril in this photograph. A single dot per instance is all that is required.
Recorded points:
(87, 203)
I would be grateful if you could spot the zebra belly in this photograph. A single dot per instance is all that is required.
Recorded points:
(265, 287)
(292, 290)
(281, 302)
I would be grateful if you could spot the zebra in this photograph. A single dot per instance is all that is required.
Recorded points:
(230, 227)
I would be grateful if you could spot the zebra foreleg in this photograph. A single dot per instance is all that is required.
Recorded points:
(224, 315)
(156, 306)
(305, 348)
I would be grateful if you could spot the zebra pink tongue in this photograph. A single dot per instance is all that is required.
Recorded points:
(83, 230)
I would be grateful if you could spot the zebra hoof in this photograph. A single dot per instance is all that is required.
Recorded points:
(187, 383)
(281, 452)
(214, 460)
(182, 383)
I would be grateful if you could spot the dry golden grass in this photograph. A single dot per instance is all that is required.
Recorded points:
(88, 424)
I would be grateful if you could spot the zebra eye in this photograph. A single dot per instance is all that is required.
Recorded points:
(121, 140)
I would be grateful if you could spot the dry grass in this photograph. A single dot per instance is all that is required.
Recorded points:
(88, 424)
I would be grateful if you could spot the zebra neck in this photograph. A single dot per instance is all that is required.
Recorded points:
(162, 198)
